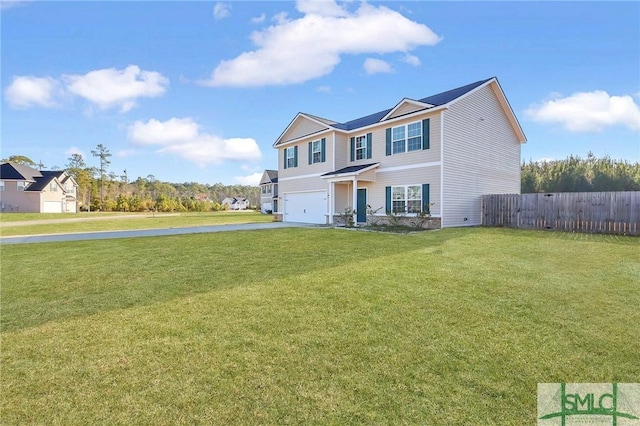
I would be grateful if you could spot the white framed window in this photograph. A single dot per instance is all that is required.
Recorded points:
(1, 185)
(414, 136)
(406, 138)
(361, 147)
(291, 157)
(22, 185)
(406, 199)
(316, 151)
(53, 187)
(398, 139)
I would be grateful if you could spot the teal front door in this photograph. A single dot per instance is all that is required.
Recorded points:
(361, 208)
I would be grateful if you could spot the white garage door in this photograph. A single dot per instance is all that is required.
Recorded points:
(52, 207)
(306, 207)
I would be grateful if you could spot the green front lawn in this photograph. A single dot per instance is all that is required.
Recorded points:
(67, 223)
(313, 326)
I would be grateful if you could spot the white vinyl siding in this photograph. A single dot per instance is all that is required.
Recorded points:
(481, 156)
(302, 127)
(406, 108)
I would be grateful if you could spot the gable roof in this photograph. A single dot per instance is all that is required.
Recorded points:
(13, 171)
(271, 175)
(434, 101)
(42, 182)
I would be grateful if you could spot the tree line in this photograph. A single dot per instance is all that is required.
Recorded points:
(102, 189)
(576, 174)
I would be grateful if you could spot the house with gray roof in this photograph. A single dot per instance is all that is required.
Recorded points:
(269, 191)
(24, 189)
(435, 155)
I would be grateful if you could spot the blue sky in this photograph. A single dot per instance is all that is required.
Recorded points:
(199, 91)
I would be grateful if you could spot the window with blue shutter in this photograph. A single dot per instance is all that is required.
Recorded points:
(388, 141)
(369, 145)
(425, 133)
(387, 205)
(426, 206)
(353, 149)
(317, 151)
(291, 157)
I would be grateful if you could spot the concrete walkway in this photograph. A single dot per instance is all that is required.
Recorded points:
(104, 235)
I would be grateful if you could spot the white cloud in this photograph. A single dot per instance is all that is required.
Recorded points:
(251, 180)
(259, 19)
(221, 10)
(324, 89)
(9, 4)
(377, 66)
(29, 91)
(111, 87)
(588, 111)
(411, 60)
(183, 137)
(298, 50)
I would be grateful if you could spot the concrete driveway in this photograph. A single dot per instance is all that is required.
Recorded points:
(104, 235)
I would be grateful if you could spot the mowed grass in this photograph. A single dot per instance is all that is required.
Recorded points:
(70, 223)
(313, 326)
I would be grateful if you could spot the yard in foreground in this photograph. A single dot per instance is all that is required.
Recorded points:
(323, 326)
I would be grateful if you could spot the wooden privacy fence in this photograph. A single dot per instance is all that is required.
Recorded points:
(598, 212)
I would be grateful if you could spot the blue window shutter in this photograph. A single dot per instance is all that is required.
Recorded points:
(425, 134)
(295, 156)
(323, 149)
(369, 144)
(310, 152)
(388, 141)
(425, 198)
(285, 158)
(388, 199)
(353, 149)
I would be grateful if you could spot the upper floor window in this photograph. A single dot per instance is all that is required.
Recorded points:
(409, 137)
(317, 151)
(291, 157)
(1, 185)
(22, 185)
(266, 189)
(361, 147)
(53, 187)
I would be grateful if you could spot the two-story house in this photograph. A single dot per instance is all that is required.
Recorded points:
(25, 189)
(440, 153)
(269, 191)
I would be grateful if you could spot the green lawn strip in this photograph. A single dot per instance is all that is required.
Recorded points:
(136, 222)
(19, 217)
(447, 327)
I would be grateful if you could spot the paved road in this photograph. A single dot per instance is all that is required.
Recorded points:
(146, 232)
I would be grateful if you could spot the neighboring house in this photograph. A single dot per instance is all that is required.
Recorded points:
(236, 203)
(269, 191)
(24, 189)
(440, 153)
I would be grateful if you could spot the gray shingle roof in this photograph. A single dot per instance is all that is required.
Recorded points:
(349, 169)
(435, 100)
(13, 171)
